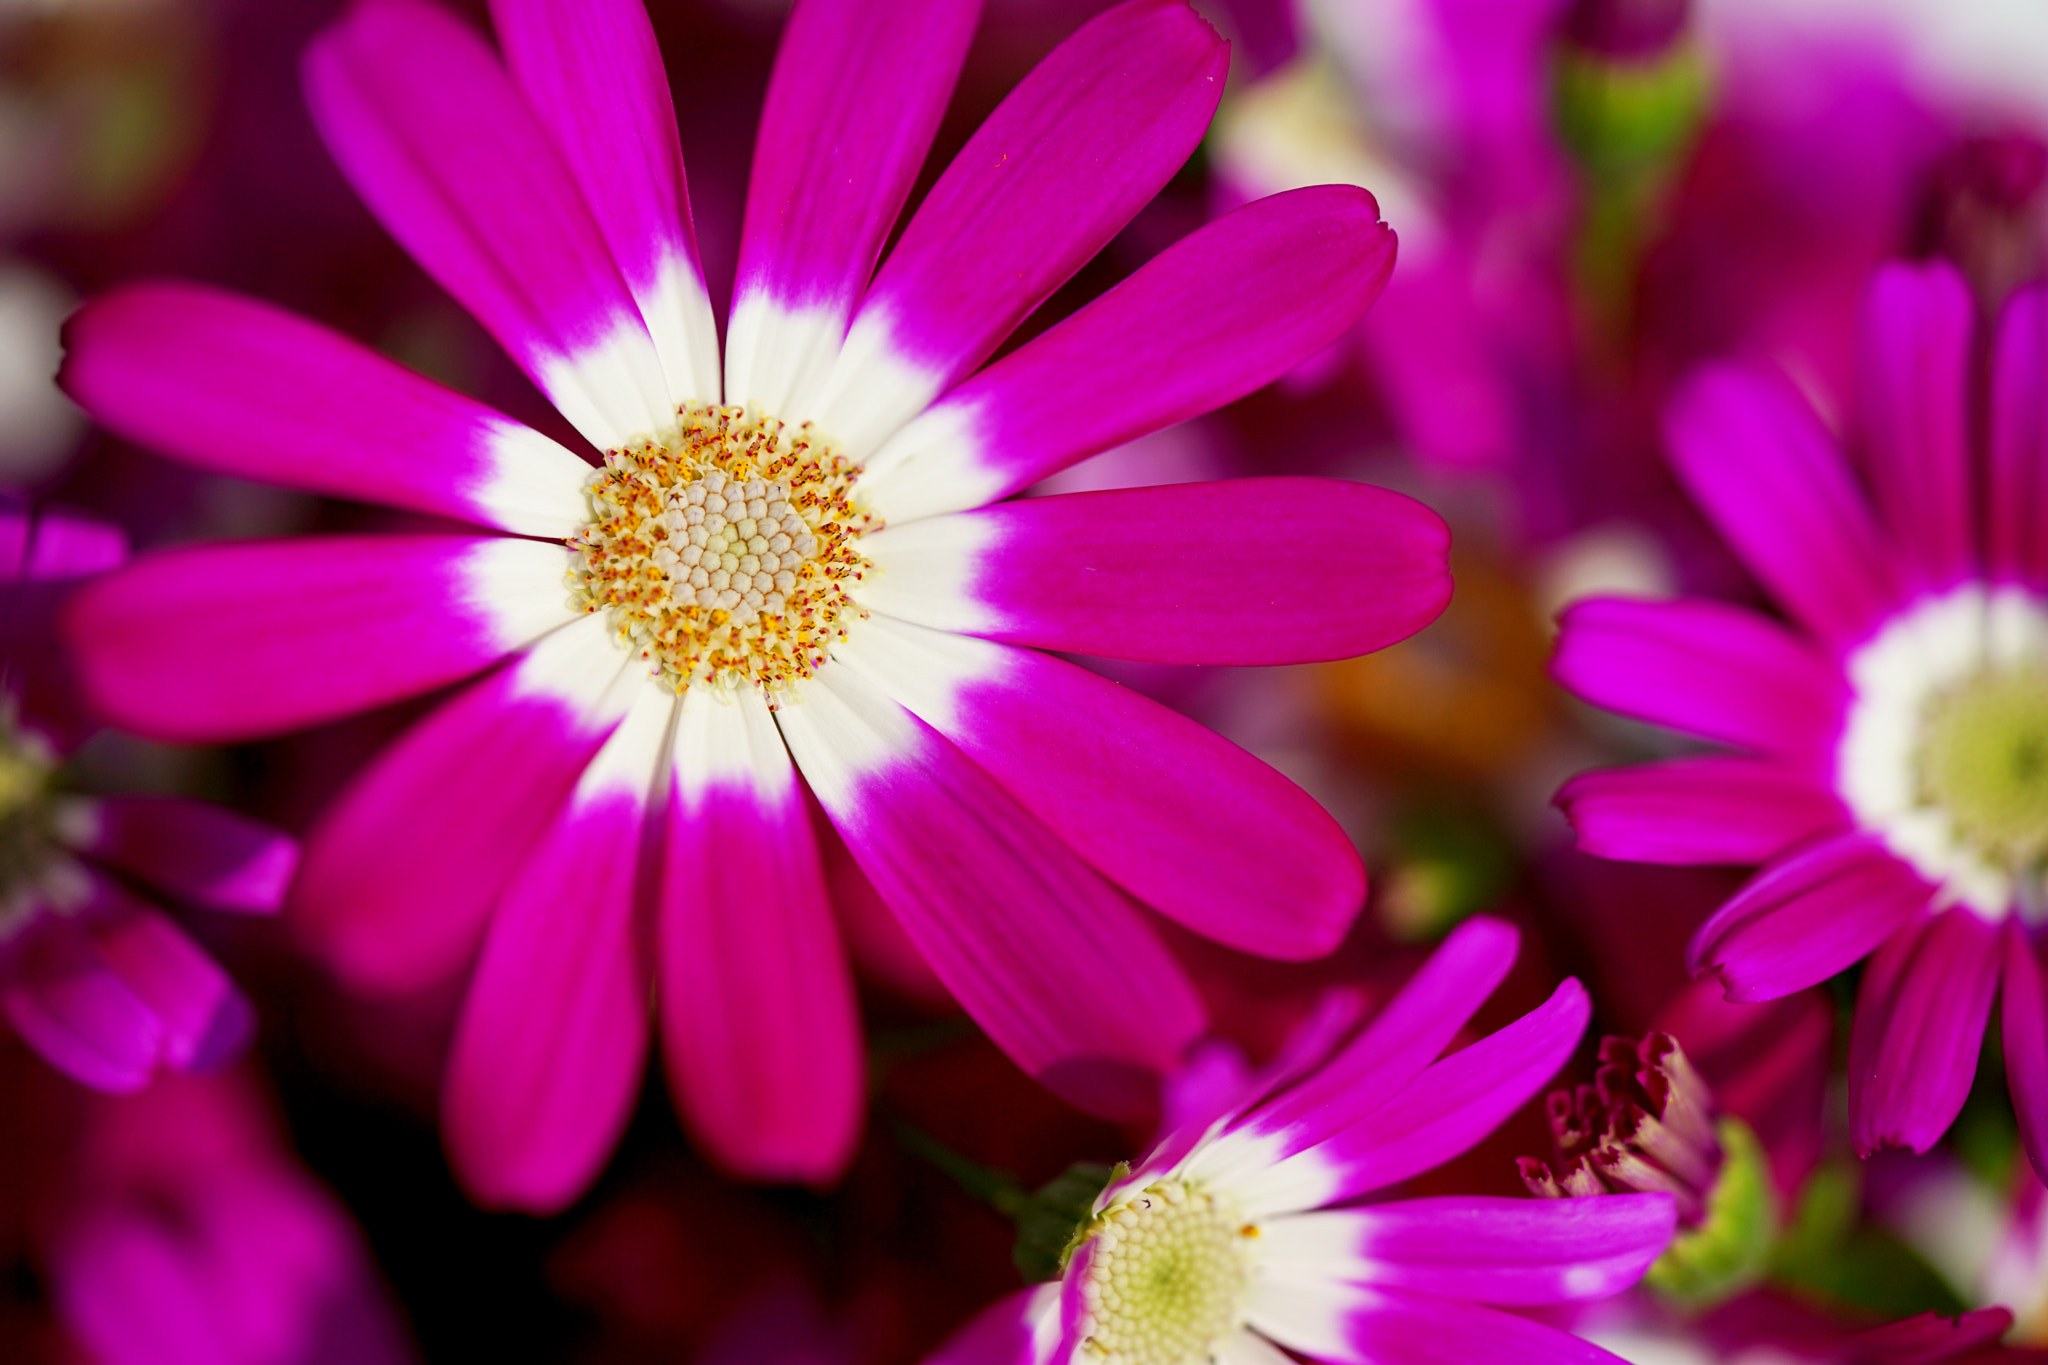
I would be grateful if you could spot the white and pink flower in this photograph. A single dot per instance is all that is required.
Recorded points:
(792, 572)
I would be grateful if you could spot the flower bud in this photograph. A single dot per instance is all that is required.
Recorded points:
(1648, 1123)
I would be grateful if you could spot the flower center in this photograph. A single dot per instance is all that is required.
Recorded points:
(31, 860)
(724, 554)
(1983, 759)
(1166, 1277)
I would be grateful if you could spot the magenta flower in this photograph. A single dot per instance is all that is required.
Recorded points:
(781, 578)
(1892, 773)
(1242, 1231)
(106, 987)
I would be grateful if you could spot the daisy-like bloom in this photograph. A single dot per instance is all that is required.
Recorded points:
(1244, 1232)
(103, 985)
(1891, 773)
(788, 575)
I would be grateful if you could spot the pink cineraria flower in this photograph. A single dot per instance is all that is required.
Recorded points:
(1243, 1231)
(1892, 773)
(790, 572)
(105, 986)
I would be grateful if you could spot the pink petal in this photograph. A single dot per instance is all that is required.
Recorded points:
(135, 1290)
(236, 386)
(548, 1054)
(403, 867)
(205, 1018)
(196, 851)
(1491, 1250)
(2017, 546)
(65, 545)
(757, 1011)
(1912, 396)
(233, 641)
(1758, 462)
(1400, 1043)
(1224, 311)
(1181, 818)
(853, 104)
(1007, 1332)
(2023, 1024)
(73, 1008)
(1807, 916)
(593, 75)
(1919, 1023)
(1051, 960)
(446, 152)
(1711, 809)
(1457, 1101)
(1142, 573)
(1357, 1324)
(1076, 150)
(1720, 672)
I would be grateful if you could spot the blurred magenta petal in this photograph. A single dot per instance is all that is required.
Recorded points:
(2023, 1029)
(594, 77)
(1225, 310)
(402, 868)
(239, 387)
(64, 545)
(758, 1022)
(204, 1017)
(218, 642)
(1179, 817)
(1716, 671)
(1050, 959)
(195, 851)
(1138, 573)
(1807, 916)
(1756, 459)
(1920, 1015)
(70, 1005)
(2017, 542)
(1091, 134)
(1717, 808)
(436, 139)
(1912, 398)
(548, 1055)
(852, 106)
(196, 1239)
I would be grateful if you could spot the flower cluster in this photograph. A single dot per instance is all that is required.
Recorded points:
(913, 630)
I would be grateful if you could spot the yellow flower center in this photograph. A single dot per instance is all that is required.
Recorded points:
(1983, 760)
(29, 853)
(1166, 1277)
(725, 554)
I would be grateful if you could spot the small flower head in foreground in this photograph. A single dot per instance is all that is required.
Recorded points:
(1243, 1231)
(793, 567)
(1649, 1122)
(1892, 773)
(104, 986)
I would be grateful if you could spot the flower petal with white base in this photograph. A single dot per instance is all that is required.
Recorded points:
(738, 544)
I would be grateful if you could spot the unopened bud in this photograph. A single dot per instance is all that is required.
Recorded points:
(1629, 85)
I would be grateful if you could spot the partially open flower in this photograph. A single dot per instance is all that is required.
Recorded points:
(1648, 1123)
